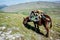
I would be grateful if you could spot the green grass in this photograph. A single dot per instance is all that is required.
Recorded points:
(16, 19)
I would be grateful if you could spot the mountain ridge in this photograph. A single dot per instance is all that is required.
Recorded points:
(31, 5)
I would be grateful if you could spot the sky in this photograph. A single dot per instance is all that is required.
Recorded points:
(13, 2)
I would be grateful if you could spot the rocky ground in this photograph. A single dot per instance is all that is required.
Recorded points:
(12, 28)
(6, 33)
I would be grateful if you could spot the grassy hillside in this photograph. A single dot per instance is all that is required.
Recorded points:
(13, 22)
(12, 28)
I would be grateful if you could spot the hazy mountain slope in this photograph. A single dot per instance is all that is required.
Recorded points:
(2, 6)
(31, 5)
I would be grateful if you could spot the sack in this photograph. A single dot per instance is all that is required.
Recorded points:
(34, 18)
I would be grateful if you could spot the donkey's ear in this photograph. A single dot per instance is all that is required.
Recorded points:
(32, 11)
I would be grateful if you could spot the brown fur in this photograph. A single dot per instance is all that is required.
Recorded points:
(43, 22)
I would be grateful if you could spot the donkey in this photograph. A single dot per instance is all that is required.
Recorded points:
(42, 21)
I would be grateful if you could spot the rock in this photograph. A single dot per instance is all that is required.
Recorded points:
(3, 35)
(57, 39)
(15, 28)
(8, 32)
(18, 36)
(2, 28)
(0, 32)
(9, 37)
(52, 31)
(2, 38)
(51, 38)
(14, 36)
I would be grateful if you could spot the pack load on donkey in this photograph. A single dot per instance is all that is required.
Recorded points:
(39, 18)
(36, 15)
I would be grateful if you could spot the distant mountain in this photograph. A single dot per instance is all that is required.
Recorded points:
(57, 1)
(31, 5)
(3, 6)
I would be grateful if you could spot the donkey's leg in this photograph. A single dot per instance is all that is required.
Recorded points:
(37, 26)
(24, 22)
(38, 30)
(34, 24)
(46, 27)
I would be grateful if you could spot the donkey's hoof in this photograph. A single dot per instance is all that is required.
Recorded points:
(47, 35)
